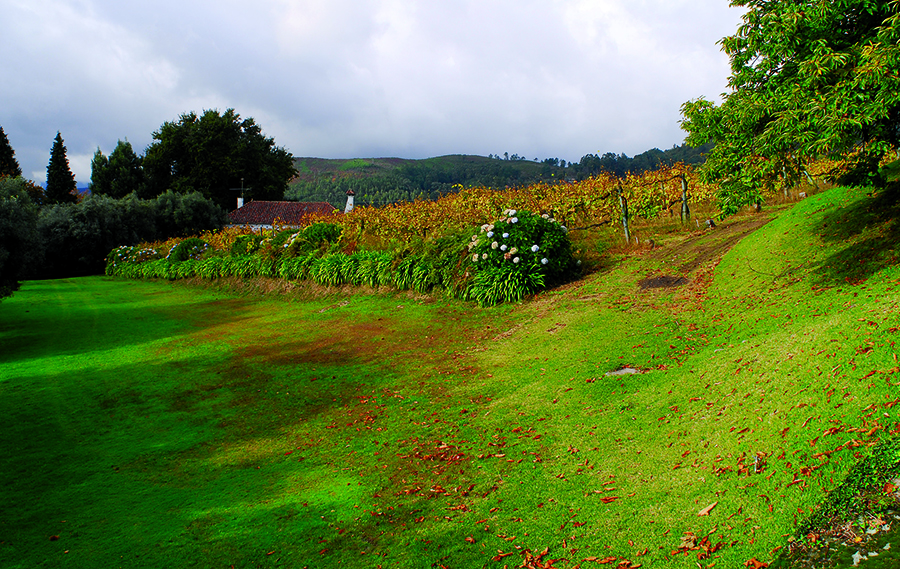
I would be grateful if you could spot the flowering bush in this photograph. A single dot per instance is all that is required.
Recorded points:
(119, 257)
(517, 255)
(191, 248)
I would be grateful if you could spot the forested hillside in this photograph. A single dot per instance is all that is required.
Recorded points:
(380, 181)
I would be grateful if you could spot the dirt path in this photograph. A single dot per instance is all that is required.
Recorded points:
(699, 248)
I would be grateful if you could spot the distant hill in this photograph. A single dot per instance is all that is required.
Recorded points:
(379, 181)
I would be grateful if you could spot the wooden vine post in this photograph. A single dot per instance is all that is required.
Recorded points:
(685, 210)
(623, 203)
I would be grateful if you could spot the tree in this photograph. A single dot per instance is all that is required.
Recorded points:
(18, 232)
(118, 175)
(99, 185)
(808, 79)
(213, 153)
(61, 186)
(8, 164)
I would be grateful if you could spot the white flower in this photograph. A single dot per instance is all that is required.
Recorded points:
(484, 255)
(545, 216)
(516, 260)
(513, 251)
(503, 247)
(514, 220)
(490, 227)
(579, 263)
(474, 238)
(505, 235)
(535, 248)
(494, 245)
(475, 258)
(490, 233)
(512, 212)
(544, 261)
(484, 227)
(564, 229)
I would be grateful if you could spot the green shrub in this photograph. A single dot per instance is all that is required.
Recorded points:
(369, 268)
(311, 238)
(501, 284)
(245, 244)
(518, 255)
(328, 271)
(191, 248)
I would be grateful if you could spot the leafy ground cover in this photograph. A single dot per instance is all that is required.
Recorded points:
(173, 424)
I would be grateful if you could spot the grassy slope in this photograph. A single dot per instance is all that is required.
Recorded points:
(149, 424)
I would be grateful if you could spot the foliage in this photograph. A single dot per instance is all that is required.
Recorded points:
(190, 248)
(215, 152)
(61, 186)
(246, 244)
(311, 238)
(120, 174)
(425, 245)
(518, 255)
(18, 233)
(76, 238)
(9, 166)
(809, 79)
(179, 214)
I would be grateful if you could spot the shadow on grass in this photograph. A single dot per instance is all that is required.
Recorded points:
(126, 462)
(75, 324)
(871, 228)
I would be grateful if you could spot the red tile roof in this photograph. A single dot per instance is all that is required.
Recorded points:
(289, 213)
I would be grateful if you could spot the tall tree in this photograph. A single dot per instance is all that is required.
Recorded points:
(61, 186)
(118, 175)
(214, 152)
(8, 164)
(808, 79)
(99, 174)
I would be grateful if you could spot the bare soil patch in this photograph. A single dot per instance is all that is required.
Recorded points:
(663, 281)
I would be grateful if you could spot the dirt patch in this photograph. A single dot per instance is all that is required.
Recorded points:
(706, 245)
(663, 281)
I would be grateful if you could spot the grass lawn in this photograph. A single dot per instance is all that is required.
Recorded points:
(152, 424)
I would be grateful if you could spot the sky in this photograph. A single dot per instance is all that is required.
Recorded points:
(361, 78)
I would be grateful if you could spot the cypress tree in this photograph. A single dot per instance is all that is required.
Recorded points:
(8, 164)
(61, 186)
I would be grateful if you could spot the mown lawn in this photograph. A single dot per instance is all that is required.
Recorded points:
(150, 424)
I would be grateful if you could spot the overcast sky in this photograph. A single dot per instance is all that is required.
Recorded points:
(361, 78)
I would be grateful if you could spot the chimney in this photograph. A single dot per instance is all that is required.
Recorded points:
(240, 203)
(349, 206)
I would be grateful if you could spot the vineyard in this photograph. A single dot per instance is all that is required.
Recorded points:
(426, 245)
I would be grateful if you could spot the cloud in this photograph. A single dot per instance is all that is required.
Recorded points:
(344, 78)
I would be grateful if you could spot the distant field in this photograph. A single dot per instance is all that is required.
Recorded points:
(151, 424)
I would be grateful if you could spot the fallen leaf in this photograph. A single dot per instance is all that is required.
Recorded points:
(705, 511)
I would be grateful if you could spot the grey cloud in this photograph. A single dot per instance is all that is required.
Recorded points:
(344, 78)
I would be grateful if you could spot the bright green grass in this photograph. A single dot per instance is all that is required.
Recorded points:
(157, 425)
